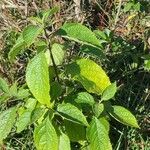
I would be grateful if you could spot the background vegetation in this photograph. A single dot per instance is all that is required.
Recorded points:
(125, 27)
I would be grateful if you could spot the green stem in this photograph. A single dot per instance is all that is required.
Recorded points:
(51, 55)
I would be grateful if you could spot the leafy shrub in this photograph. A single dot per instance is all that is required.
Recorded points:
(60, 112)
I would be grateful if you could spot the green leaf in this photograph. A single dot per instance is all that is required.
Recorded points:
(72, 113)
(40, 45)
(17, 48)
(49, 12)
(22, 93)
(35, 20)
(98, 109)
(98, 136)
(30, 33)
(37, 78)
(92, 51)
(13, 90)
(56, 90)
(84, 98)
(109, 92)
(76, 132)
(64, 142)
(25, 115)
(4, 97)
(37, 113)
(79, 33)
(105, 123)
(31, 103)
(23, 120)
(58, 54)
(100, 34)
(4, 86)
(45, 137)
(89, 74)
(7, 120)
(124, 116)
(128, 6)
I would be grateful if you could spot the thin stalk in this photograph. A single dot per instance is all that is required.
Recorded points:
(117, 15)
(51, 55)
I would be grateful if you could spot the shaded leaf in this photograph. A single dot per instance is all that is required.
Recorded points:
(56, 90)
(93, 51)
(76, 132)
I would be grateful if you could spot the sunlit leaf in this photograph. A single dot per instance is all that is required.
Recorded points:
(124, 116)
(7, 120)
(72, 113)
(79, 33)
(98, 136)
(37, 78)
(45, 137)
(89, 74)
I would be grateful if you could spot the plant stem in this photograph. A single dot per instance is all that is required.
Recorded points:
(117, 15)
(51, 55)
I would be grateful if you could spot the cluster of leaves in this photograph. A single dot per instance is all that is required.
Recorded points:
(61, 114)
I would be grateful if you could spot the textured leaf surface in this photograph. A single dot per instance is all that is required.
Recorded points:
(23, 93)
(37, 78)
(105, 123)
(109, 92)
(24, 118)
(37, 113)
(91, 75)
(49, 12)
(45, 137)
(58, 54)
(7, 119)
(84, 98)
(64, 142)
(71, 112)
(98, 109)
(124, 116)
(4, 86)
(79, 33)
(76, 132)
(23, 121)
(98, 136)
(17, 48)
(30, 33)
